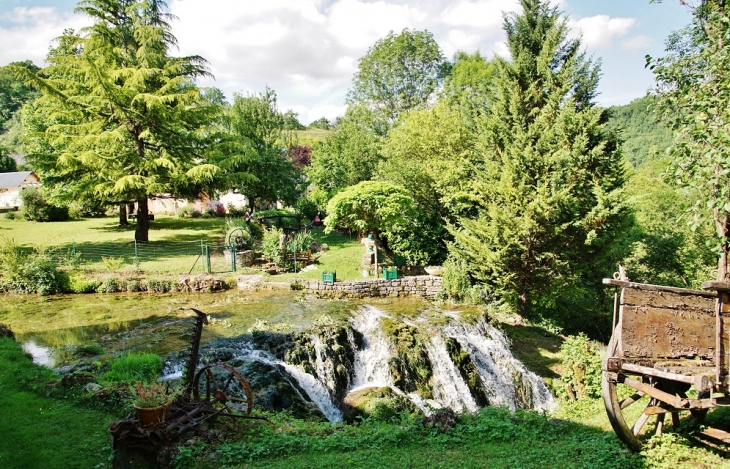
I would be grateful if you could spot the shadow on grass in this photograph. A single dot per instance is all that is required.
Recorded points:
(535, 347)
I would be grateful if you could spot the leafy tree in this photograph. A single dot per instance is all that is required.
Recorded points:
(7, 164)
(660, 250)
(468, 85)
(256, 125)
(399, 73)
(14, 92)
(300, 155)
(548, 180)
(127, 120)
(370, 206)
(321, 123)
(694, 85)
(291, 121)
(347, 157)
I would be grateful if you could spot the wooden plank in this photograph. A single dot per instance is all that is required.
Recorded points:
(667, 333)
(649, 287)
(716, 434)
(669, 300)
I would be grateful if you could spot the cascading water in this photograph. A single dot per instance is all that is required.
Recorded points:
(502, 375)
(449, 387)
(323, 367)
(315, 389)
(371, 360)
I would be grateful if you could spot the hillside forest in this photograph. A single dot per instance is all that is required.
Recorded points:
(503, 170)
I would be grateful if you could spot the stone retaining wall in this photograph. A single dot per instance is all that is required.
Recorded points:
(422, 285)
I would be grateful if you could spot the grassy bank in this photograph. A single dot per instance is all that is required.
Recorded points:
(45, 425)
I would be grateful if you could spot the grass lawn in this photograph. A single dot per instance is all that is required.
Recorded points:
(39, 431)
(174, 244)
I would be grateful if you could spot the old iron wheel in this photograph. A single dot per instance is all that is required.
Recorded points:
(223, 385)
(619, 410)
(240, 237)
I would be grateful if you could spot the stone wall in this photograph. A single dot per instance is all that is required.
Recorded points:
(422, 285)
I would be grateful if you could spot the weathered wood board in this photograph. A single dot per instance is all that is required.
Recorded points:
(667, 325)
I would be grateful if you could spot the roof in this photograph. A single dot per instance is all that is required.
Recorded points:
(19, 159)
(8, 180)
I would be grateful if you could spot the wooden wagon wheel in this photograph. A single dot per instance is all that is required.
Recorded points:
(223, 385)
(621, 411)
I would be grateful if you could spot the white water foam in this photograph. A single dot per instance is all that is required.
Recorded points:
(371, 361)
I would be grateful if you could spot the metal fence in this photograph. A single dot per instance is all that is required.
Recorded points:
(170, 257)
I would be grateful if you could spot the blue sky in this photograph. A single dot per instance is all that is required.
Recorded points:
(307, 50)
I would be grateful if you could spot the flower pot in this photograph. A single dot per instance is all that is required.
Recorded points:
(151, 416)
(434, 271)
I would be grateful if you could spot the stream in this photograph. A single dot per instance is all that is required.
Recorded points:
(335, 359)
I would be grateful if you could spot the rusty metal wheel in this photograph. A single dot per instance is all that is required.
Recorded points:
(222, 385)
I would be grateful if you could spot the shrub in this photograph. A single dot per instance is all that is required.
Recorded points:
(36, 208)
(28, 272)
(108, 285)
(10, 215)
(186, 211)
(144, 367)
(79, 284)
(306, 208)
(456, 283)
(582, 367)
(271, 246)
(112, 264)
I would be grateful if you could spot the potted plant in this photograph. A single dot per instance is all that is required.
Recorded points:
(152, 402)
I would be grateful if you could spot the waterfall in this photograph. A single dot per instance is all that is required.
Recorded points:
(449, 387)
(324, 368)
(371, 360)
(502, 375)
(317, 392)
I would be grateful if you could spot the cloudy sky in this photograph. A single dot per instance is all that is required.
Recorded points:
(307, 50)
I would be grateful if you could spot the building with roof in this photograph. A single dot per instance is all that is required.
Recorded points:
(11, 184)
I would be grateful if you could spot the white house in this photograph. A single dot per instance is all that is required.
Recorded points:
(11, 184)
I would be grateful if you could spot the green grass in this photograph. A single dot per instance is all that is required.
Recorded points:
(174, 242)
(39, 431)
(344, 256)
(312, 136)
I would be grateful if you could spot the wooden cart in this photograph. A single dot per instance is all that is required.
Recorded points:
(666, 341)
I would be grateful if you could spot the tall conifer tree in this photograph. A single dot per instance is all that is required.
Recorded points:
(548, 174)
(126, 119)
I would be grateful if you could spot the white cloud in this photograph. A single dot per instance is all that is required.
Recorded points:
(31, 31)
(600, 30)
(641, 42)
(357, 24)
(485, 14)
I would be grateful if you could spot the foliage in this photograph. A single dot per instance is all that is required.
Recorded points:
(645, 137)
(188, 211)
(153, 394)
(290, 121)
(658, 249)
(398, 74)
(271, 245)
(255, 125)
(28, 271)
(347, 157)
(321, 123)
(37, 208)
(80, 284)
(119, 118)
(468, 85)
(300, 155)
(547, 184)
(370, 206)
(7, 164)
(300, 241)
(134, 367)
(582, 366)
(694, 85)
(14, 93)
(456, 283)
(306, 208)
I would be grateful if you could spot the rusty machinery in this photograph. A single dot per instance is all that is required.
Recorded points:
(666, 341)
(215, 390)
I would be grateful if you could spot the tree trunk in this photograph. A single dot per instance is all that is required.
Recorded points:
(375, 248)
(141, 234)
(723, 230)
(123, 215)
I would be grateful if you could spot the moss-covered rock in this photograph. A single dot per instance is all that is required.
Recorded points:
(381, 404)
(411, 367)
